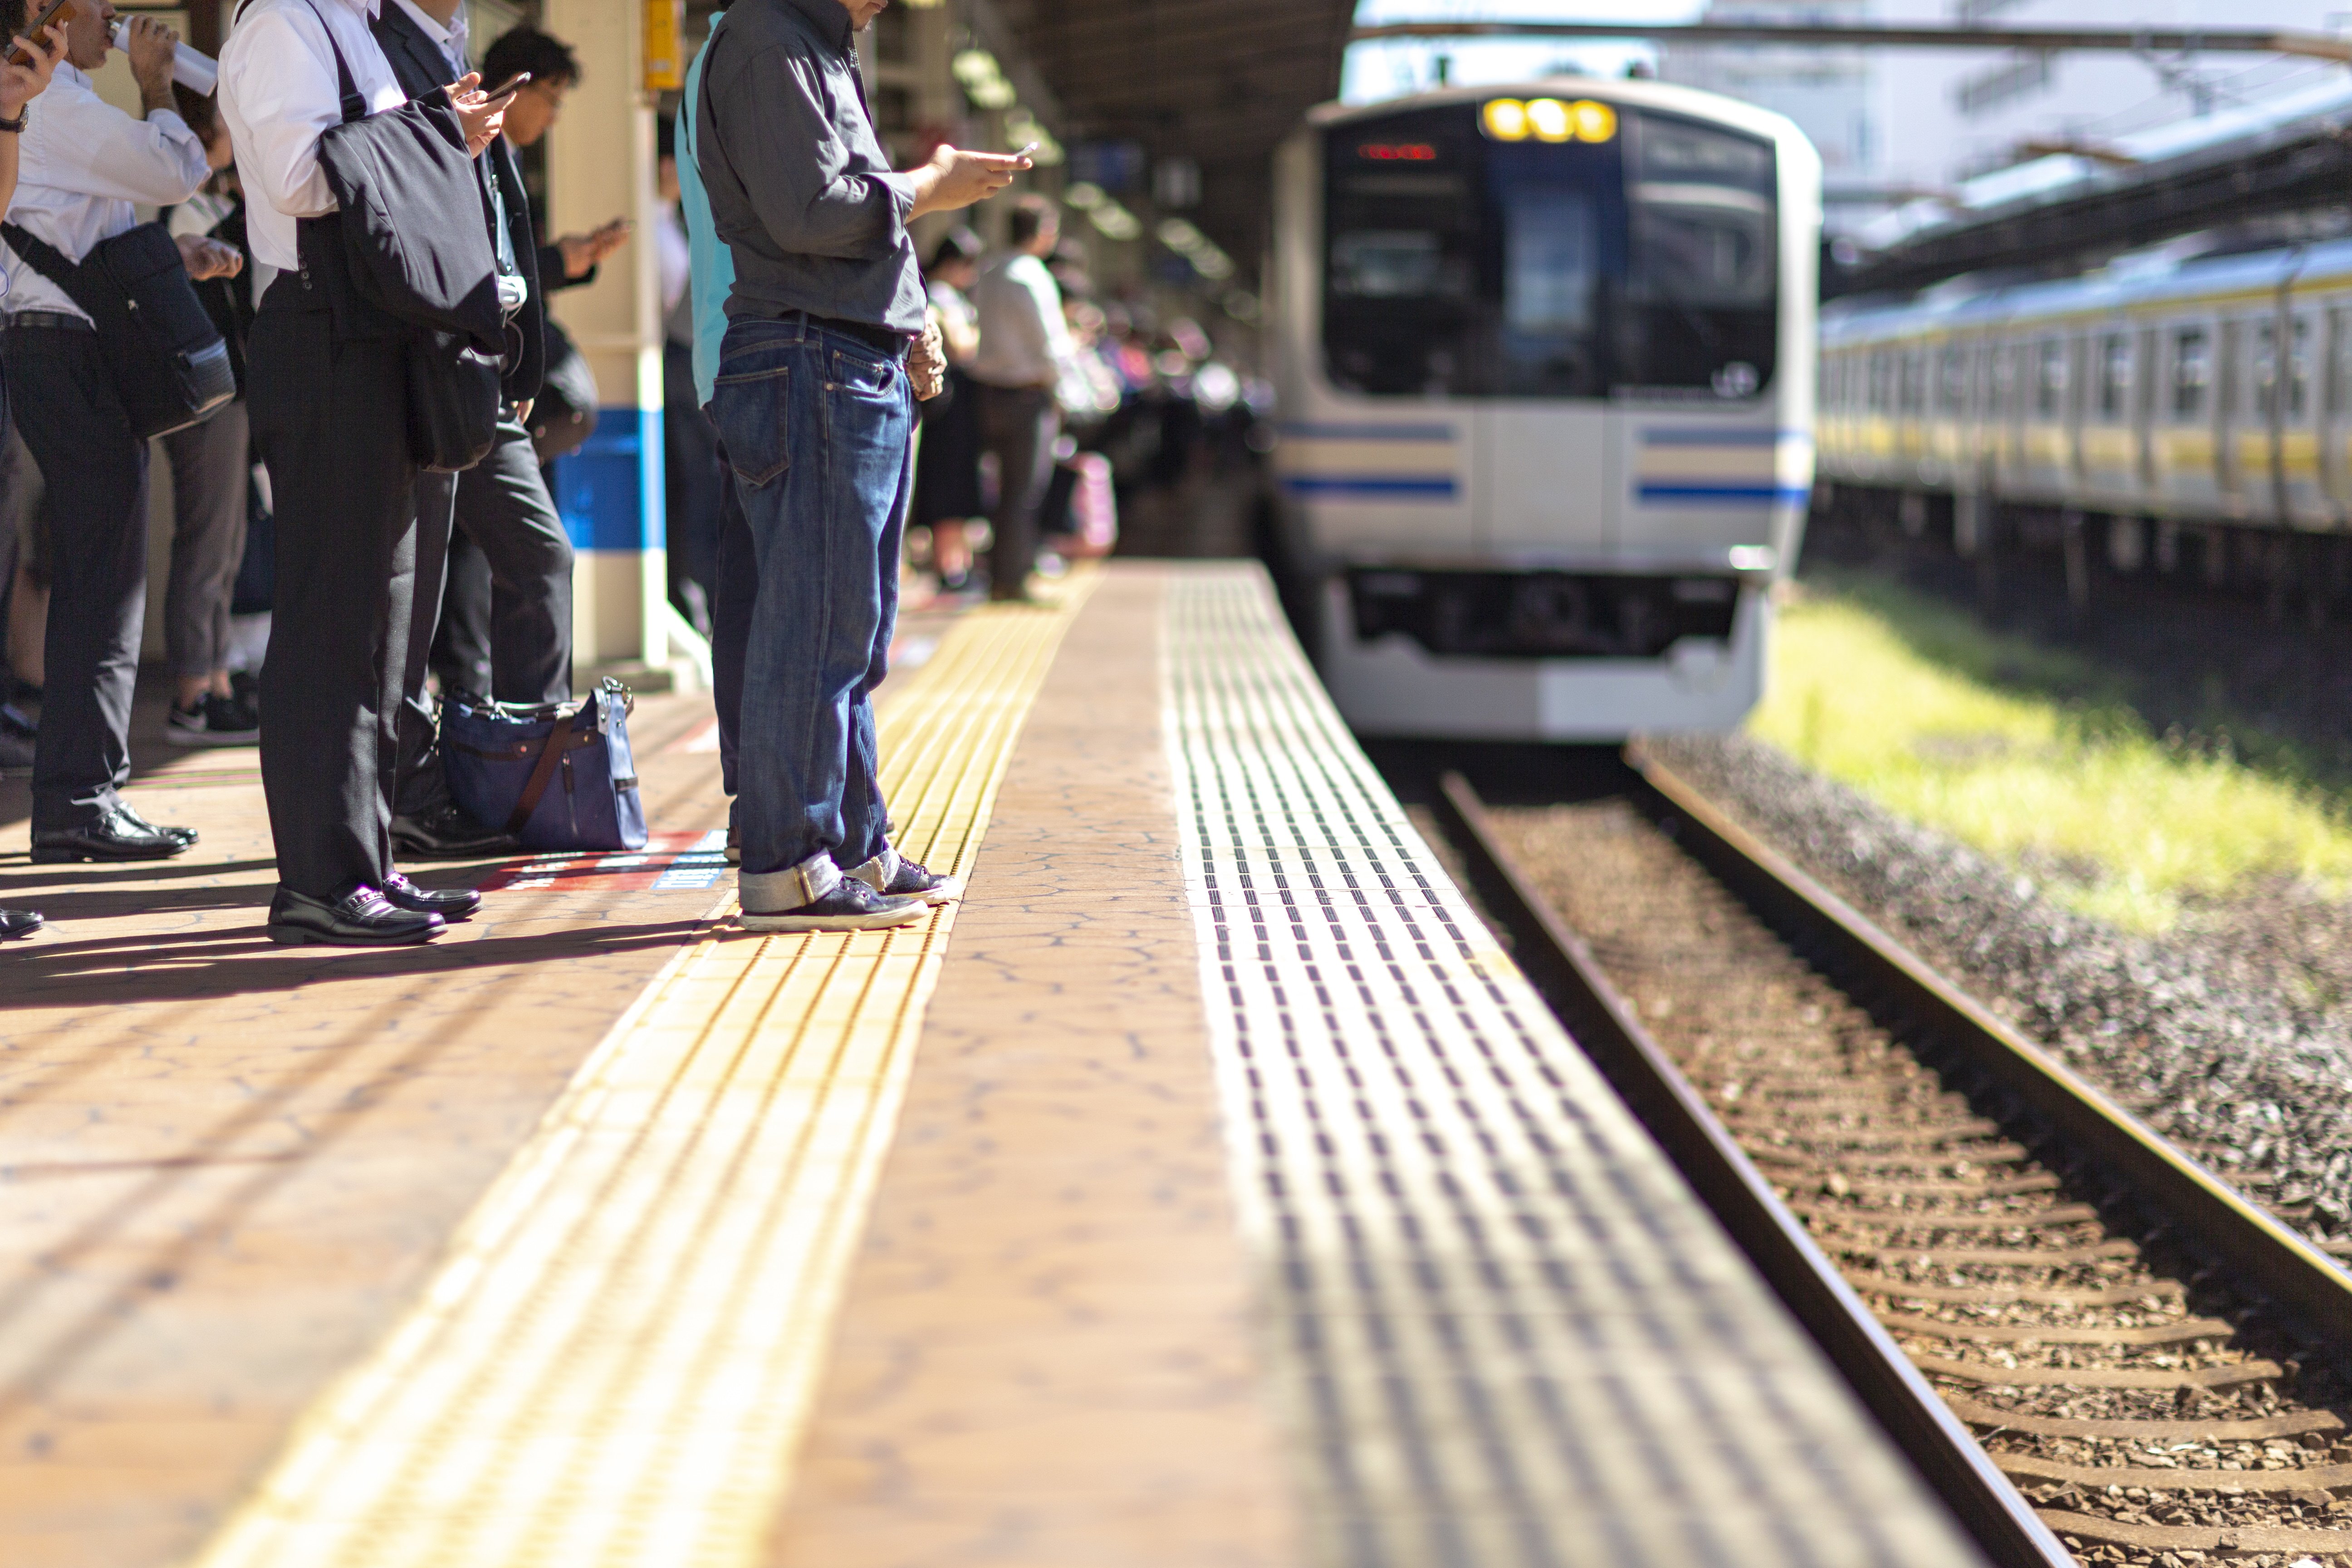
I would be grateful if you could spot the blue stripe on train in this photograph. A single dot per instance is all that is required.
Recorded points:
(1719, 435)
(1387, 486)
(1734, 495)
(1307, 431)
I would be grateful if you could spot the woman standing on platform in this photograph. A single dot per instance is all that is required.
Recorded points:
(22, 79)
(947, 463)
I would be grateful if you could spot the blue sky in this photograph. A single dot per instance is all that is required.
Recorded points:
(1389, 67)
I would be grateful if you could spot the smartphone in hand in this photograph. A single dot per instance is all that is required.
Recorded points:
(59, 10)
(507, 89)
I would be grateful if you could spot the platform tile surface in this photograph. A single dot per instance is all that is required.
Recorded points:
(1505, 1332)
(612, 1364)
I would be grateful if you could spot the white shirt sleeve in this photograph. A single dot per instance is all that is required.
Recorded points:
(281, 73)
(91, 148)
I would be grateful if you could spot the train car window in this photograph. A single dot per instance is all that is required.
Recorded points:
(2192, 372)
(2114, 377)
(1882, 383)
(1703, 276)
(1405, 248)
(1952, 389)
(2049, 386)
(2298, 368)
(1914, 381)
(2262, 386)
(2004, 381)
(2339, 364)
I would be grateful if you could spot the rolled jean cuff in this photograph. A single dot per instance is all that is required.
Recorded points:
(773, 893)
(879, 872)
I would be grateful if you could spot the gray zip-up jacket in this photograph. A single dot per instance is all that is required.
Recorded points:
(800, 187)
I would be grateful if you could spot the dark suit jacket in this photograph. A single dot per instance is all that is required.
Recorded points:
(418, 63)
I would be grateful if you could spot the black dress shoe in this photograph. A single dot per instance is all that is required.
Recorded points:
(446, 832)
(119, 834)
(186, 835)
(361, 918)
(18, 922)
(449, 903)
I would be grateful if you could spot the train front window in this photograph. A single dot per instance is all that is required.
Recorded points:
(1632, 253)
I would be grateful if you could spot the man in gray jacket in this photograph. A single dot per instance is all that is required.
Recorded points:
(815, 405)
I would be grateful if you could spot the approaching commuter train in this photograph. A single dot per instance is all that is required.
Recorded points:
(1546, 359)
(2216, 391)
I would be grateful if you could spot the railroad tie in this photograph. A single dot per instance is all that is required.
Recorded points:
(2317, 1478)
(2170, 1333)
(2192, 1537)
(2294, 1423)
(2099, 1376)
(2018, 1295)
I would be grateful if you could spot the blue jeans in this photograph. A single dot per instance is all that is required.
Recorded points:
(819, 430)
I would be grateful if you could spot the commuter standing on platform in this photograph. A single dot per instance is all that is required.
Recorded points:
(211, 467)
(330, 393)
(20, 85)
(815, 403)
(491, 640)
(502, 505)
(1023, 342)
(85, 164)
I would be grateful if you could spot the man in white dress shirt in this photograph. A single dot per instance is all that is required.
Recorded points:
(329, 412)
(84, 163)
(1023, 342)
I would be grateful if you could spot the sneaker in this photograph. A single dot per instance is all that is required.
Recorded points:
(850, 906)
(894, 875)
(214, 721)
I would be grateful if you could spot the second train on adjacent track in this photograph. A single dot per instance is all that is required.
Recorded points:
(1545, 356)
(2215, 393)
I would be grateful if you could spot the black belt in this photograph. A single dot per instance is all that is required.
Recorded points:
(53, 320)
(895, 344)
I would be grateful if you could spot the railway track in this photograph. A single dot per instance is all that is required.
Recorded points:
(2095, 1349)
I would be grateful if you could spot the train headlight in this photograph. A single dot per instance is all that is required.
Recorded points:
(1507, 119)
(1549, 120)
(1593, 122)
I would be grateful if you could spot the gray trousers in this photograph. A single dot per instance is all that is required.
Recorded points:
(212, 468)
(1018, 424)
(504, 512)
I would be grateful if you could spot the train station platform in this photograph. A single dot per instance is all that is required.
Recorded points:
(1207, 1190)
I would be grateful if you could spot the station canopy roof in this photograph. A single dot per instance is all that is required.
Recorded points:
(1218, 81)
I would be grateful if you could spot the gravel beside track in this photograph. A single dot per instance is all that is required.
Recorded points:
(2154, 1417)
(2232, 1036)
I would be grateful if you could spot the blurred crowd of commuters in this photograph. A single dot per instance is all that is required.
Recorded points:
(1055, 404)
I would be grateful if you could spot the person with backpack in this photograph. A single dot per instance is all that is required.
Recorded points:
(84, 166)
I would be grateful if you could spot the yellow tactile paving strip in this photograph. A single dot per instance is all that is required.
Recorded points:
(613, 1362)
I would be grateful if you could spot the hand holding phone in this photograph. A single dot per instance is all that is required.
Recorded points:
(1027, 151)
(507, 88)
(57, 11)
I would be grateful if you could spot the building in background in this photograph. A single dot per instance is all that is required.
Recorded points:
(1898, 125)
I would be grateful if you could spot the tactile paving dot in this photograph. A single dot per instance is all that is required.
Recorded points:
(1505, 1332)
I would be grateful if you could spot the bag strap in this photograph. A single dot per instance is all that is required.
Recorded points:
(543, 773)
(49, 262)
(354, 106)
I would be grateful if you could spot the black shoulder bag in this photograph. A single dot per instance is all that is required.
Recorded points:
(418, 265)
(167, 361)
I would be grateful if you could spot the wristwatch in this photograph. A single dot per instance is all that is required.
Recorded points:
(24, 116)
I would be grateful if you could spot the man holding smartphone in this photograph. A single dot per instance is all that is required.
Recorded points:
(815, 400)
(503, 515)
(330, 397)
(85, 167)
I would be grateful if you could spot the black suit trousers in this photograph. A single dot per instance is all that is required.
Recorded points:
(330, 419)
(96, 471)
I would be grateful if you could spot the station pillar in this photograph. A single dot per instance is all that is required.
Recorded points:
(601, 162)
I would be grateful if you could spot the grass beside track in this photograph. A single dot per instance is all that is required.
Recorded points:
(2033, 756)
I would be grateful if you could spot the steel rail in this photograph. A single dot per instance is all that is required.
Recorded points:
(2208, 1215)
(2202, 1212)
(2133, 40)
(1561, 966)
